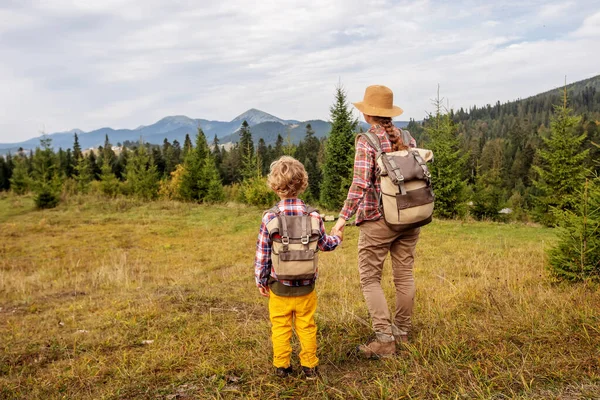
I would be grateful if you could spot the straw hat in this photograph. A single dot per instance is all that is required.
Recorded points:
(378, 101)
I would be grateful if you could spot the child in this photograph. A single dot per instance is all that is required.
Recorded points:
(285, 266)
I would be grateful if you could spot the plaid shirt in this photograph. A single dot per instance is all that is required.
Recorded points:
(262, 260)
(363, 195)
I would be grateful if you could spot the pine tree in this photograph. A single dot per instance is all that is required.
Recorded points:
(560, 171)
(4, 175)
(216, 152)
(278, 150)
(168, 156)
(246, 142)
(84, 174)
(187, 145)
(76, 149)
(109, 184)
(448, 170)
(20, 181)
(576, 256)
(107, 155)
(142, 177)
(176, 158)
(339, 154)
(194, 185)
(308, 153)
(488, 196)
(93, 165)
(214, 192)
(121, 164)
(263, 155)
(46, 182)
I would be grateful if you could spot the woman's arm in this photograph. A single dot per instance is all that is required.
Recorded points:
(364, 161)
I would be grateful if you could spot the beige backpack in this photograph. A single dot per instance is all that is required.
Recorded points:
(294, 244)
(406, 199)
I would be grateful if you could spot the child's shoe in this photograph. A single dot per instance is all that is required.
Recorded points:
(310, 374)
(283, 372)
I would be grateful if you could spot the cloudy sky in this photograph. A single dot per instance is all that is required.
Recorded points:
(122, 63)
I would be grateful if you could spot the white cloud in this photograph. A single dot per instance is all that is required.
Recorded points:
(123, 63)
(590, 27)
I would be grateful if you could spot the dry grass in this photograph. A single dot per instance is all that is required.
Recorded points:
(119, 299)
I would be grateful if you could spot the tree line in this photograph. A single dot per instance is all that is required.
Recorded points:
(534, 159)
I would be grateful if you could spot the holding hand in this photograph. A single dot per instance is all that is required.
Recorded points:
(264, 291)
(338, 228)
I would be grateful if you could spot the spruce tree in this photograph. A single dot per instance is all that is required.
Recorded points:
(121, 164)
(20, 181)
(560, 170)
(278, 149)
(109, 184)
(576, 256)
(176, 157)
(187, 145)
(168, 153)
(4, 175)
(246, 143)
(308, 153)
(216, 152)
(488, 196)
(214, 191)
(448, 170)
(46, 182)
(194, 185)
(93, 165)
(142, 177)
(339, 153)
(76, 149)
(263, 155)
(84, 174)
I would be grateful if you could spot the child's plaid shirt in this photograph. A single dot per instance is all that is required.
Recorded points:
(363, 196)
(262, 260)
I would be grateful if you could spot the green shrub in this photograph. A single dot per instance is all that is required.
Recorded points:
(254, 191)
(46, 199)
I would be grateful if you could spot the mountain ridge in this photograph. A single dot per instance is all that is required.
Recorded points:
(175, 127)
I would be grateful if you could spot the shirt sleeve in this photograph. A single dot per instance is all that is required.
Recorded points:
(262, 259)
(326, 242)
(361, 180)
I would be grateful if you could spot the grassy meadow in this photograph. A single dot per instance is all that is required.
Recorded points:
(119, 299)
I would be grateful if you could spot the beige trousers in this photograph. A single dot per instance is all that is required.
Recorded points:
(375, 240)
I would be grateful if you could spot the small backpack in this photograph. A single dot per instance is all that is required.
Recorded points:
(406, 199)
(294, 244)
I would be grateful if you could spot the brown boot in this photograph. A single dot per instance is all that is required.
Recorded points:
(383, 347)
(400, 335)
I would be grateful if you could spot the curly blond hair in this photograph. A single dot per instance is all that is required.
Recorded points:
(287, 178)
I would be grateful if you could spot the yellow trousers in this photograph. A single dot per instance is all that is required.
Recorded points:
(299, 310)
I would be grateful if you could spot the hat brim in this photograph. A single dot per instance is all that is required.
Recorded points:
(376, 111)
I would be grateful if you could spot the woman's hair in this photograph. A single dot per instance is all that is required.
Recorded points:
(392, 131)
(287, 178)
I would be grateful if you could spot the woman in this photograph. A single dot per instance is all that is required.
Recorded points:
(376, 239)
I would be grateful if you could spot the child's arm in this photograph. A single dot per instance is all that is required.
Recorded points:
(262, 259)
(328, 242)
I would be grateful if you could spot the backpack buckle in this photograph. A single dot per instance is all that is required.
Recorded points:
(305, 239)
(285, 240)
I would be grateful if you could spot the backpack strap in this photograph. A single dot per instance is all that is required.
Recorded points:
(406, 137)
(274, 210)
(423, 165)
(310, 209)
(372, 139)
(285, 236)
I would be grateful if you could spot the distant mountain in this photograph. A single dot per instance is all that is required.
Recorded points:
(262, 125)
